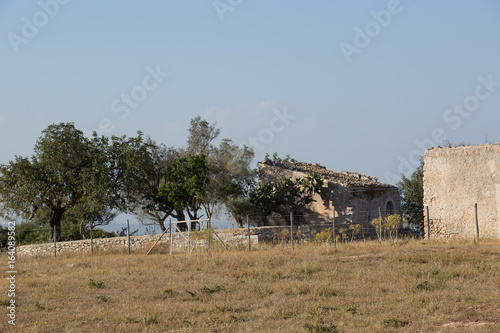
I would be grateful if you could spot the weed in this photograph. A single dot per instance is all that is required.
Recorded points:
(423, 286)
(241, 247)
(38, 306)
(187, 323)
(233, 319)
(433, 271)
(213, 290)
(193, 295)
(352, 310)
(150, 320)
(95, 284)
(133, 321)
(320, 327)
(4, 303)
(395, 323)
(103, 299)
(169, 292)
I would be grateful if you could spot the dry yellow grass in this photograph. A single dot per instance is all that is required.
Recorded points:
(409, 286)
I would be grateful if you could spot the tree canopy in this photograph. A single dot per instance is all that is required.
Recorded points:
(73, 175)
(287, 195)
(412, 191)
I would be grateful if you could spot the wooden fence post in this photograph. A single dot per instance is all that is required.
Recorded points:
(477, 223)
(428, 223)
(91, 239)
(380, 224)
(333, 230)
(171, 237)
(128, 236)
(291, 228)
(249, 239)
(55, 242)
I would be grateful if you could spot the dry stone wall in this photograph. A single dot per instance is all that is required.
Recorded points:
(455, 179)
(141, 244)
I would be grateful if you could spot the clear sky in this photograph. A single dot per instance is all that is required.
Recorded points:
(353, 85)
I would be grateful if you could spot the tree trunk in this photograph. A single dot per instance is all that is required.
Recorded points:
(55, 225)
(181, 217)
(238, 220)
(162, 225)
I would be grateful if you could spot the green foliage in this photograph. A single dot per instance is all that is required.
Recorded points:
(95, 284)
(240, 207)
(320, 326)
(3, 236)
(186, 185)
(278, 159)
(391, 224)
(38, 306)
(395, 323)
(150, 320)
(214, 289)
(286, 195)
(412, 191)
(70, 175)
(230, 177)
(103, 299)
(325, 236)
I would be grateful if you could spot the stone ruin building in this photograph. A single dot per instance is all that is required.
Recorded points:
(455, 179)
(355, 198)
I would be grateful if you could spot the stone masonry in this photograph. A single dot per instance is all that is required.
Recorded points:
(355, 197)
(455, 179)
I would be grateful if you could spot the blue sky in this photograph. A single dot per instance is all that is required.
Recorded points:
(353, 85)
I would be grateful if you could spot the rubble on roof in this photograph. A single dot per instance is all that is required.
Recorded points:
(346, 178)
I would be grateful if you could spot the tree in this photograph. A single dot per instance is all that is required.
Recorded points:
(286, 195)
(72, 175)
(230, 172)
(240, 207)
(231, 177)
(186, 185)
(154, 208)
(412, 191)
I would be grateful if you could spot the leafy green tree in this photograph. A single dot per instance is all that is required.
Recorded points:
(230, 172)
(154, 208)
(240, 207)
(4, 234)
(70, 175)
(286, 195)
(412, 191)
(186, 185)
(230, 176)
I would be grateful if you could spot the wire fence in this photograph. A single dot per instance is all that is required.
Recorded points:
(256, 231)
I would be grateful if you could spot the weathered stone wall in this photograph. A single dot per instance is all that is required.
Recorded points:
(363, 202)
(455, 179)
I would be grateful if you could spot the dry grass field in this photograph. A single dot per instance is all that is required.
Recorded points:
(407, 286)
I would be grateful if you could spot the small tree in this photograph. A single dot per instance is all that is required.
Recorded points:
(392, 224)
(285, 195)
(412, 191)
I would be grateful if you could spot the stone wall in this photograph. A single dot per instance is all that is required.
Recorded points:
(141, 244)
(455, 179)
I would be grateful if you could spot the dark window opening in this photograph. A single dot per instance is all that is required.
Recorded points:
(389, 208)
